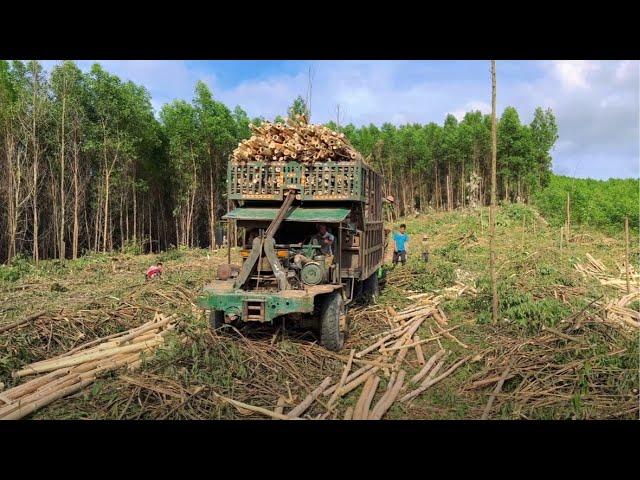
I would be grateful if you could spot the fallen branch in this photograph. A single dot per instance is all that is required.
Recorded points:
(17, 323)
(496, 391)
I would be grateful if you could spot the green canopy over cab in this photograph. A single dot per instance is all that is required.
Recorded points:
(296, 214)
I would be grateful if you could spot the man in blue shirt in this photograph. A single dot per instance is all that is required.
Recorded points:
(400, 240)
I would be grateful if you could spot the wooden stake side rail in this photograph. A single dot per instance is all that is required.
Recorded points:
(336, 181)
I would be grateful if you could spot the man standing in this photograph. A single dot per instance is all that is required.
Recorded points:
(400, 240)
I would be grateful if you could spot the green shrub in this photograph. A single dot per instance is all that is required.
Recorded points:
(519, 307)
(20, 266)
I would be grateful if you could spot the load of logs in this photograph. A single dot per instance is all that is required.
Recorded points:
(295, 140)
(69, 373)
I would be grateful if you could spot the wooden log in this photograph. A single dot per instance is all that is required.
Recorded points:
(25, 410)
(77, 359)
(253, 408)
(626, 257)
(349, 378)
(306, 403)
(503, 377)
(17, 323)
(356, 382)
(448, 335)
(367, 401)
(280, 405)
(388, 398)
(399, 359)
(33, 385)
(343, 377)
(357, 411)
(434, 358)
(435, 380)
(42, 392)
(419, 295)
(411, 329)
(419, 352)
(118, 338)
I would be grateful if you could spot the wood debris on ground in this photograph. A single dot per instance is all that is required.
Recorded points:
(72, 371)
(538, 380)
(595, 268)
(615, 311)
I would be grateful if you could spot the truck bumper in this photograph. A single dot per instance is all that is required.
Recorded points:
(260, 307)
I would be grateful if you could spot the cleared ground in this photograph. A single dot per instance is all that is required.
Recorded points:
(591, 374)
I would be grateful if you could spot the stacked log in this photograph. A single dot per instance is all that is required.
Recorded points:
(69, 373)
(294, 141)
(617, 311)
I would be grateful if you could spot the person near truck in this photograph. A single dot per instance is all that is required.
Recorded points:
(400, 240)
(326, 240)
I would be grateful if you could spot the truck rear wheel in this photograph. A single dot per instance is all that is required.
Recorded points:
(372, 286)
(217, 319)
(332, 333)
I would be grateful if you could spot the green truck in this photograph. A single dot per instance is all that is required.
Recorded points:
(287, 269)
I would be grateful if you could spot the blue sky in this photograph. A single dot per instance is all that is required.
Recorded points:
(596, 103)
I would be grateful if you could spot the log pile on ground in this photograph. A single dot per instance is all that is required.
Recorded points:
(80, 366)
(294, 141)
(615, 311)
(595, 268)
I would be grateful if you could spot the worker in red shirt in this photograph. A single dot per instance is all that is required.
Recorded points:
(154, 271)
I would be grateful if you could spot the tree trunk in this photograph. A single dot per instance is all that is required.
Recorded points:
(105, 212)
(135, 214)
(212, 213)
(34, 132)
(492, 208)
(61, 245)
(150, 235)
(74, 251)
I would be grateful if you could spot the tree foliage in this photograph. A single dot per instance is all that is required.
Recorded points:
(88, 166)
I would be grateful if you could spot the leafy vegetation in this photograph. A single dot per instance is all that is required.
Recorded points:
(599, 203)
(89, 166)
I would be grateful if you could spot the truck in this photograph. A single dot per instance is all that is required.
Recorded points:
(286, 270)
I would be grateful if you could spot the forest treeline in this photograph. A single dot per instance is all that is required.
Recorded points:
(87, 165)
(600, 203)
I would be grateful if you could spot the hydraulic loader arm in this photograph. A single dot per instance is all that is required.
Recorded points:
(268, 243)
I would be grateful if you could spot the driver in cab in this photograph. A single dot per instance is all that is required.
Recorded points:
(326, 240)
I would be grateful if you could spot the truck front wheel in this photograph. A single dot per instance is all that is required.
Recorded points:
(332, 332)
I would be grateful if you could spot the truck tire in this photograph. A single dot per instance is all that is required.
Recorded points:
(331, 335)
(371, 286)
(217, 319)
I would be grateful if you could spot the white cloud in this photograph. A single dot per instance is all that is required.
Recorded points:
(574, 73)
(484, 107)
(596, 103)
